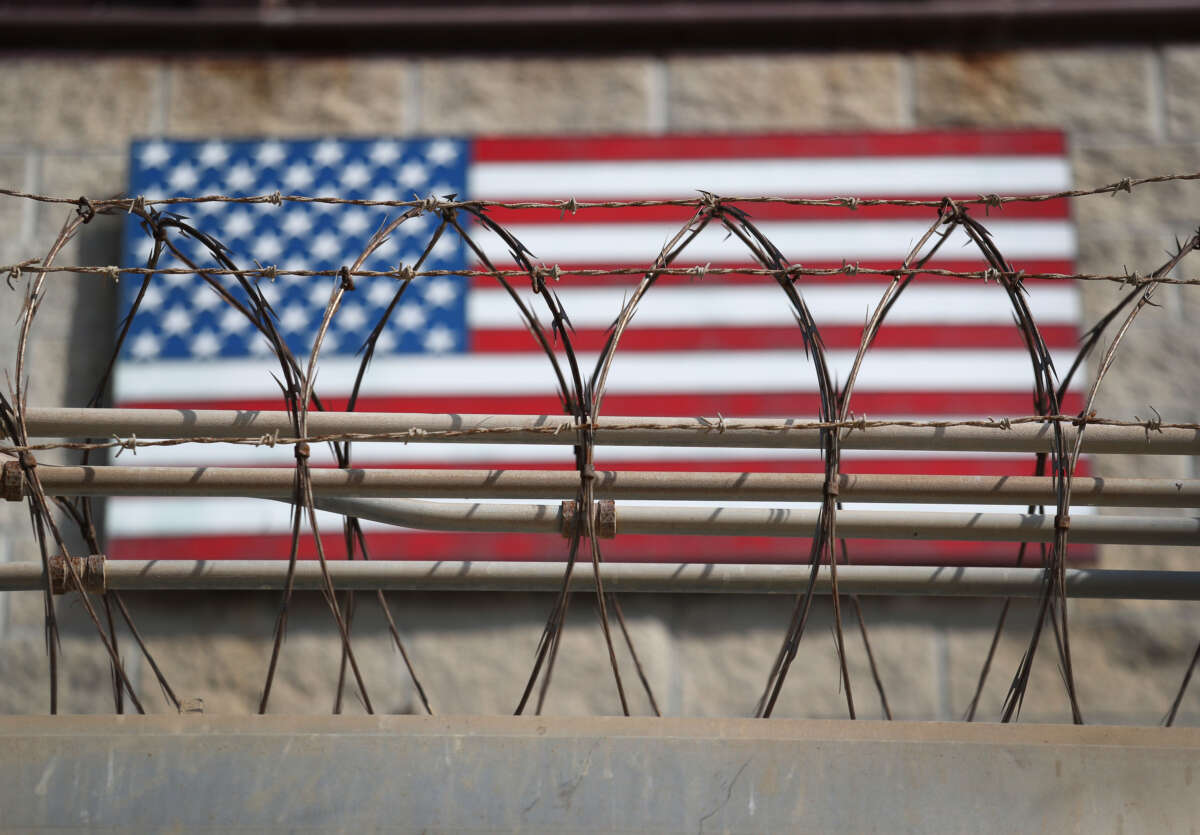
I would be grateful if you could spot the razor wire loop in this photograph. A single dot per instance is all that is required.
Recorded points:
(582, 400)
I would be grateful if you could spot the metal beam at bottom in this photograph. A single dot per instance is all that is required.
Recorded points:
(680, 578)
(540, 774)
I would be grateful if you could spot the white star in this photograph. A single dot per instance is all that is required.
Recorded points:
(355, 175)
(176, 321)
(205, 344)
(238, 224)
(294, 318)
(385, 152)
(413, 174)
(353, 222)
(296, 223)
(381, 292)
(388, 247)
(298, 176)
(240, 177)
(153, 296)
(183, 177)
(260, 346)
(351, 318)
(385, 193)
(206, 298)
(446, 247)
(213, 154)
(328, 152)
(325, 246)
(318, 294)
(386, 342)
(439, 340)
(145, 346)
(440, 292)
(155, 154)
(268, 247)
(441, 151)
(410, 317)
(414, 225)
(270, 153)
(296, 262)
(233, 321)
(177, 279)
(271, 292)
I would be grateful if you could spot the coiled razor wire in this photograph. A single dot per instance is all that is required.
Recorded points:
(581, 395)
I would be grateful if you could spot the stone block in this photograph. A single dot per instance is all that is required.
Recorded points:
(1173, 204)
(14, 211)
(1096, 91)
(741, 93)
(85, 677)
(1128, 665)
(726, 650)
(1181, 74)
(513, 96)
(216, 648)
(483, 667)
(96, 176)
(78, 104)
(286, 97)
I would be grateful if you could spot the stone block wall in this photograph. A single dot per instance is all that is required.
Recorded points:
(1128, 111)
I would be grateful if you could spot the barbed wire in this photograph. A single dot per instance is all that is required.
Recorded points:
(556, 272)
(571, 205)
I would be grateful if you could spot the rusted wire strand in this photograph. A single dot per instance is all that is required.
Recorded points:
(128, 204)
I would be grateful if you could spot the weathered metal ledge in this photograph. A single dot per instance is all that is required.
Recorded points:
(459, 774)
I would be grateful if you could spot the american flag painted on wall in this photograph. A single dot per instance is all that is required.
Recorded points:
(725, 345)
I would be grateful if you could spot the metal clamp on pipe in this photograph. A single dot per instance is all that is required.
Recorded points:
(12, 482)
(90, 571)
(604, 518)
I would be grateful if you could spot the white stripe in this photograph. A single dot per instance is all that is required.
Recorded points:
(716, 305)
(483, 456)
(146, 517)
(799, 241)
(815, 177)
(632, 372)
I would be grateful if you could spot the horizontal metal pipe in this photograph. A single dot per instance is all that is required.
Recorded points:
(740, 521)
(277, 483)
(691, 578)
(626, 431)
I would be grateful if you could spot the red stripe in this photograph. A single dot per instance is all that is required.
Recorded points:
(834, 337)
(514, 219)
(926, 143)
(783, 404)
(512, 547)
(1059, 267)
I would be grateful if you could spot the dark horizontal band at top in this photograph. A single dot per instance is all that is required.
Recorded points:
(598, 27)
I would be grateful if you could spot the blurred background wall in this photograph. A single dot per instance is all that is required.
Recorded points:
(1128, 107)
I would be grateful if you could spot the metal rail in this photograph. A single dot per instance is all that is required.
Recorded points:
(626, 431)
(935, 581)
(279, 483)
(771, 521)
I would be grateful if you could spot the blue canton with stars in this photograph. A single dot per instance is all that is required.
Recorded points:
(182, 318)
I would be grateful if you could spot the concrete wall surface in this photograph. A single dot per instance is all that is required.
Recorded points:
(1127, 111)
(419, 774)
